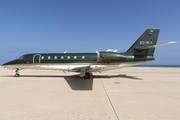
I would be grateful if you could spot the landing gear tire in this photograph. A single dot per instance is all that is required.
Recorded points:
(87, 75)
(17, 73)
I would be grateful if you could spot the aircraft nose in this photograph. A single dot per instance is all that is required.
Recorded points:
(10, 63)
(5, 64)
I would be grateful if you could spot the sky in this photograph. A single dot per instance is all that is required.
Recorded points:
(87, 26)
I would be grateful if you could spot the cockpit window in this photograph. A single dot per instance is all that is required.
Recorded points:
(22, 57)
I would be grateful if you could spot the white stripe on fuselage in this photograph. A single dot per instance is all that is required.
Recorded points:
(69, 66)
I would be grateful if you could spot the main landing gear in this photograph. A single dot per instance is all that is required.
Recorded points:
(17, 73)
(87, 74)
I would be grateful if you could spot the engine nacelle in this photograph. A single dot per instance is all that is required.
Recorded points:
(109, 57)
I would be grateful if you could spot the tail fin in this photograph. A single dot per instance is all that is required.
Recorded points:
(148, 38)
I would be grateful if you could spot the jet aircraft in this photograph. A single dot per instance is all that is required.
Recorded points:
(85, 63)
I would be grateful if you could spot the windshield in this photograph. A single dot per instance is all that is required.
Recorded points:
(21, 57)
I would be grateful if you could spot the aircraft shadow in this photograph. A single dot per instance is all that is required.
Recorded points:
(117, 76)
(77, 83)
(77, 76)
(74, 81)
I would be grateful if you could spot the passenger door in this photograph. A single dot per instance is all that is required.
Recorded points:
(37, 60)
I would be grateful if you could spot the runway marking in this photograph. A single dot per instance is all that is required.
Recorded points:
(116, 82)
(109, 100)
(117, 79)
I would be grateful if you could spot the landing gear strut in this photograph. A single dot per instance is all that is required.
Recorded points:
(87, 74)
(17, 73)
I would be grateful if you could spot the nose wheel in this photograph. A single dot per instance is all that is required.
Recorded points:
(17, 73)
(87, 74)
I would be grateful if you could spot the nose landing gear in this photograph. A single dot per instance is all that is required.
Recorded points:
(17, 73)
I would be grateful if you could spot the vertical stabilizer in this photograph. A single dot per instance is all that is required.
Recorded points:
(148, 38)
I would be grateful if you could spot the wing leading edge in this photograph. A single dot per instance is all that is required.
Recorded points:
(88, 68)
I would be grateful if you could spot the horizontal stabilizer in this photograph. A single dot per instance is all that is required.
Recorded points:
(153, 46)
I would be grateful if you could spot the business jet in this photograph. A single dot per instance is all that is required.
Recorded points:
(86, 63)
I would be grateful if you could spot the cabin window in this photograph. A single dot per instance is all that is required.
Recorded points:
(55, 57)
(62, 57)
(68, 57)
(42, 57)
(49, 57)
(83, 57)
(75, 57)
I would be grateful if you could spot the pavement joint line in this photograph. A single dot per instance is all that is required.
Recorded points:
(109, 100)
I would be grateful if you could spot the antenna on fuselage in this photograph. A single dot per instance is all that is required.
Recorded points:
(111, 50)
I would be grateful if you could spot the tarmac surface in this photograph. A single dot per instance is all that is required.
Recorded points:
(133, 93)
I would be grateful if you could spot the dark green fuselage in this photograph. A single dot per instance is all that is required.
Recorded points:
(90, 58)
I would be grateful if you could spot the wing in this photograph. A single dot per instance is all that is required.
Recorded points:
(89, 68)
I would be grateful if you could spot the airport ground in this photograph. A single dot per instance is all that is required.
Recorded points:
(133, 93)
